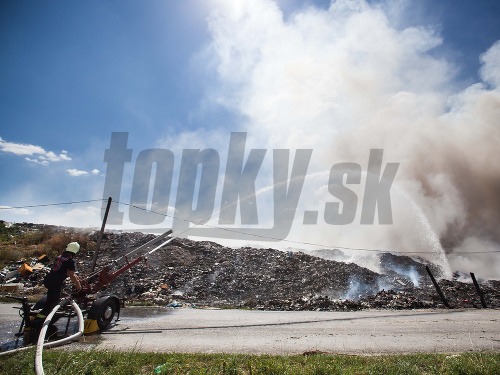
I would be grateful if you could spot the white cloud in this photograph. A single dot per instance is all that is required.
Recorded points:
(79, 172)
(38, 161)
(76, 172)
(19, 148)
(15, 211)
(79, 217)
(39, 154)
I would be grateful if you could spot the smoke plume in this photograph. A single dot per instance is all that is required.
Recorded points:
(346, 80)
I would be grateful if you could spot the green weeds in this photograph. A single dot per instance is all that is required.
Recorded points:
(107, 362)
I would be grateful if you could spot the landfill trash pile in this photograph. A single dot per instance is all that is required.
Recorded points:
(205, 273)
(202, 273)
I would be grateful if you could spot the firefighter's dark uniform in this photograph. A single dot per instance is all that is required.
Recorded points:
(54, 282)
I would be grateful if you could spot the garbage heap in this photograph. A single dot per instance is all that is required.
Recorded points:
(203, 273)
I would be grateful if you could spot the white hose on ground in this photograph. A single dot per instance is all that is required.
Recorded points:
(15, 350)
(52, 343)
(41, 338)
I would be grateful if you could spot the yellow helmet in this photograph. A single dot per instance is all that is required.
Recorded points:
(73, 247)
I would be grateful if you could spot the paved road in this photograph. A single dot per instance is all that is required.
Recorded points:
(244, 331)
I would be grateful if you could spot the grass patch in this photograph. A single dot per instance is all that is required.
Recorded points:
(108, 362)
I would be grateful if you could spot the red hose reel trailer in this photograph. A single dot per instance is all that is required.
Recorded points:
(99, 308)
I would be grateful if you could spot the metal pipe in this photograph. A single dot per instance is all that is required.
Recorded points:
(161, 245)
(153, 242)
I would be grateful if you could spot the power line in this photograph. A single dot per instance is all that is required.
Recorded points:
(50, 204)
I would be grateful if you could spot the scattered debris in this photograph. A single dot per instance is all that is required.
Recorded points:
(25, 270)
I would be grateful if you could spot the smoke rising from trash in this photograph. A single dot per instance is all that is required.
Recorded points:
(349, 79)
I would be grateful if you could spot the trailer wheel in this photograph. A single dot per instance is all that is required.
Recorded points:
(106, 314)
(103, 310)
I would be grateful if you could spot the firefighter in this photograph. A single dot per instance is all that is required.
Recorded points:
(63, 267)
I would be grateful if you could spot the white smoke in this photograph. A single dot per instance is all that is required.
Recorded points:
(345, 80)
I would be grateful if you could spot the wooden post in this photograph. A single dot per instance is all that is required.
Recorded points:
(99, 239)
(478, 290)
(441, 295)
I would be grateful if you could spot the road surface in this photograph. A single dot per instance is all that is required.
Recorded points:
(255, 332)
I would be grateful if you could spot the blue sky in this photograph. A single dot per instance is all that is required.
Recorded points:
(180, 74)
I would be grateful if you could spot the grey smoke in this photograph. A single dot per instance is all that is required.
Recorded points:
(346, 80)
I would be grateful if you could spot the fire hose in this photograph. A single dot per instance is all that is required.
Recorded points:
(41, 338)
